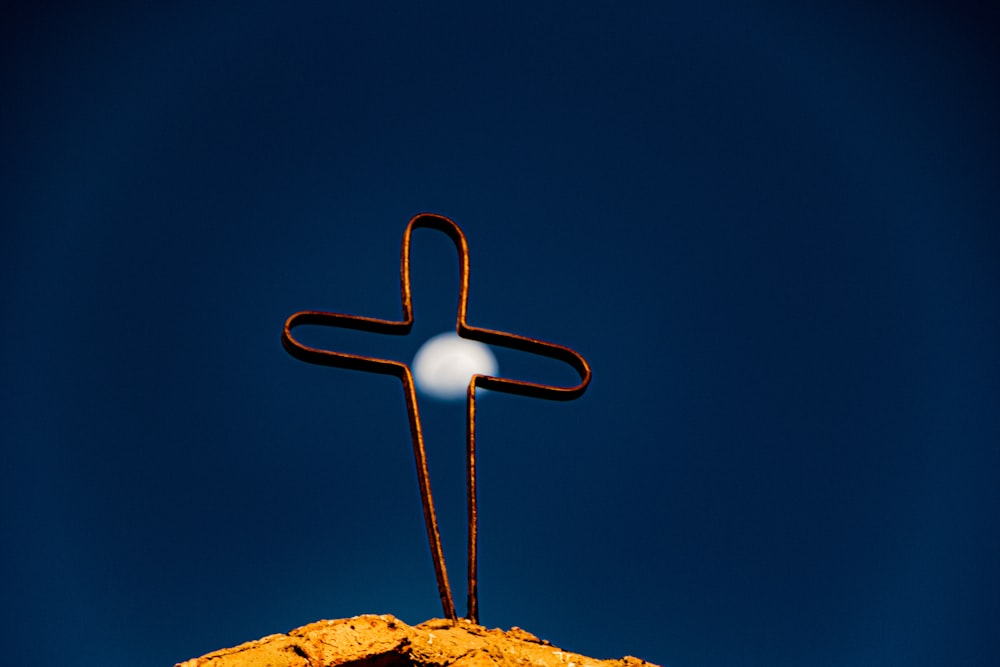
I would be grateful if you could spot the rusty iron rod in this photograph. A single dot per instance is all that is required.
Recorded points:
(402, 371)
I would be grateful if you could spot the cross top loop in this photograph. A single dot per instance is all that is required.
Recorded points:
(402, 371)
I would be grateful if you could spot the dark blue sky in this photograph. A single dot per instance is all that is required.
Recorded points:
(772, 231)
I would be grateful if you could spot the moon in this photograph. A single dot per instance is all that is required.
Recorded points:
(444, 365)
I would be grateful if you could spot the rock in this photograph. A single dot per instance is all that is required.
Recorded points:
(384, 641)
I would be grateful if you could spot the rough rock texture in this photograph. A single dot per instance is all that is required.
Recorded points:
(384, 641)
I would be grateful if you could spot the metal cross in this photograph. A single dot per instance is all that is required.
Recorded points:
(402, 371)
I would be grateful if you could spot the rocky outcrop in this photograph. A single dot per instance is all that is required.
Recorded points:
(384, 641)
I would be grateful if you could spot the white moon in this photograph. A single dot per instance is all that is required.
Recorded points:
(444, 365)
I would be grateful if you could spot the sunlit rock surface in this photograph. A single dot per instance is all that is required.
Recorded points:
(384, 641)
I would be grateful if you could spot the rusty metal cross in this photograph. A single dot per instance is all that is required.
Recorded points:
(402, 371)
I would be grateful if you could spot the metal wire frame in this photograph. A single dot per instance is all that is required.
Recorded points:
(402, 371)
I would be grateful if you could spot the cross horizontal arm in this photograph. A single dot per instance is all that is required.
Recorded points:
(534, 346)
(342, 359)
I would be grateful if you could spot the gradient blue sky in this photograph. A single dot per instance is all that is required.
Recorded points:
(772, 231)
